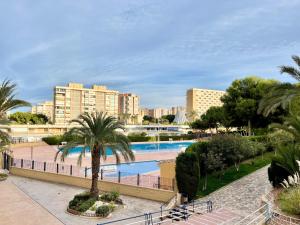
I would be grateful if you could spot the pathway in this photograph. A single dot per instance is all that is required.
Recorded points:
(55, 197)
(16, 206)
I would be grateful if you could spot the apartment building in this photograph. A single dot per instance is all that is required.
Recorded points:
(129, 106)
(72, 100)
(45, 108)
(200, 100)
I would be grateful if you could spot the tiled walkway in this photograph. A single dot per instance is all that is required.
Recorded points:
(18, 208)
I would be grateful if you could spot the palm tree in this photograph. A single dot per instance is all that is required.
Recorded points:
(283, 94)
(97, 132)
(192, 115)
(7, 98)
(8, 102)
(291, 125)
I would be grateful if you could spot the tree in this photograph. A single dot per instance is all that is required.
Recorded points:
(187, 174)
(242, 99)
(282, 94)
(148, 118)
(170, 118)
(97, 132)
(214, 116)
(8, 102)
(199, 125)
(192, 115)
(28, 118)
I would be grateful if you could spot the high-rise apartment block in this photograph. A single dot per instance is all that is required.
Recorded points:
(45, 108)
(200, 100)
(72, 100)
(129, 107)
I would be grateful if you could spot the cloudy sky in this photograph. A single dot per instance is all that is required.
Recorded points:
(156, 49)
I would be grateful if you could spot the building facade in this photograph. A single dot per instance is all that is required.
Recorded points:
(46, 108)
(200, 100)
(72, 100)
(129, 107)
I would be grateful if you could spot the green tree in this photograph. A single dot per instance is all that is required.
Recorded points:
(28, 118)
(97, 132)
(8, 102)
(282, 94)
(187, 174)
(193, 115)
(170, 118)
(242, 99)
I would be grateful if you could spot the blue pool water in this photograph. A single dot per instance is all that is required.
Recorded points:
(128, 169)
(148, 147)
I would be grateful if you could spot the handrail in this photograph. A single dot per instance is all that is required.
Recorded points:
(152, 217)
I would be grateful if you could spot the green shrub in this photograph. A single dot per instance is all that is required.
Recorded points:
(201, 150)
(187, 174)
(289, 201)
(276, 174)
(103, 210)
(85, 205)
(53, 140)
(109, 197)
(3, 175)
(83, 196)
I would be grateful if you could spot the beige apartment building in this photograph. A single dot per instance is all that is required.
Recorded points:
(200, 100)
(72, 100)
(45, 108)
(129, 107)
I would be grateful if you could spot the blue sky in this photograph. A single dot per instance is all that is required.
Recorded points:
(156, 49)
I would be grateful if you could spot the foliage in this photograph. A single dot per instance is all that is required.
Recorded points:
(149, 119)
(284, 164)
(8, 102)
(230, 174)
(138, 137)
(289, 201)
(103, 210)
(57, 139)
(82, 202)
(282, 94)
(290, 125)
(187, 174)
(110, 197)
(279, 137)
(97, 132)
(3, 175)
(170, 118)
(291, 181)
(7, 98)
(28, 118)
(242, 99)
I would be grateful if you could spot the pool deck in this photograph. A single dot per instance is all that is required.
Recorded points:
(46, 153)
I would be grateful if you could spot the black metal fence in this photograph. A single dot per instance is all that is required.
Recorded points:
(116, 176)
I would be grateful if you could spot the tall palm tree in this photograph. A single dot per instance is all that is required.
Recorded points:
(8, 102)
(283, 94)
(97, 132)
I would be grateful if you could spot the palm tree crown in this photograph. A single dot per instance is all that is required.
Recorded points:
(97, 132)
(283, 94)
(7, 98)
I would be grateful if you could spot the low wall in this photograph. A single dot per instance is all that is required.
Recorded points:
(135, 191)
(28, 144)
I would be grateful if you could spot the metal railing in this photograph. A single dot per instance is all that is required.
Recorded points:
(180, 213)
(262, 214)
(133, 179)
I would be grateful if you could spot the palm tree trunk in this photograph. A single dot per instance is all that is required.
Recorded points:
(95, 171)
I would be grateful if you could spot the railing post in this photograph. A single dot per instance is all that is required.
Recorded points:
(119, 177)
(22, 163)
(45, 166)
(32, 165)
(57, 168)
(101, 174)
(71, 170)
(85, 172)
(158, 182)
(173, 184)
(138, 180)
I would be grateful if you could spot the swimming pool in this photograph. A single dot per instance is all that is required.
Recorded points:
(128, 169)
(148, 147)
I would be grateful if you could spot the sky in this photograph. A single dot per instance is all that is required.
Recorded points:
(153, 48)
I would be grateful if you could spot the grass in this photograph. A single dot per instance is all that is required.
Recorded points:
(230, 174)
(289, 201)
